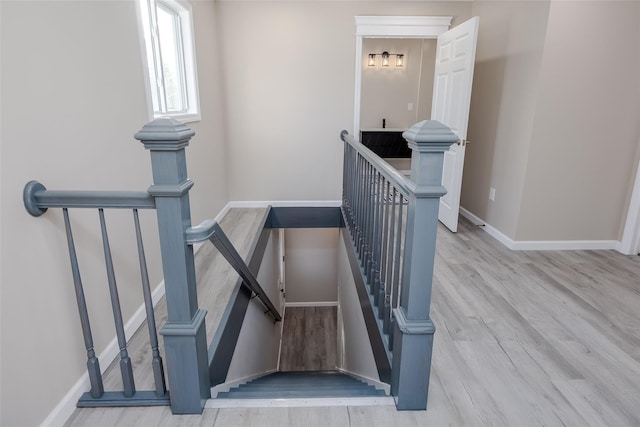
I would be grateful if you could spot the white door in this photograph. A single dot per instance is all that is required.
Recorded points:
(455, 57)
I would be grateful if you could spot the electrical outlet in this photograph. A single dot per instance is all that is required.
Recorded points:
(492, 193)
(410, 106)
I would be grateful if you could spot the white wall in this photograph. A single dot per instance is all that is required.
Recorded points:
(386, 91)
(505, 85)
(289, 71)
(354, 349)
(72, 98)
(259, 341)
(553, 120)
(311, 267)
(584, 141)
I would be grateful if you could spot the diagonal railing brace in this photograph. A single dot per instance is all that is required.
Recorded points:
(211, 230)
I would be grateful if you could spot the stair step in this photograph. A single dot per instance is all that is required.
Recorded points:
(324, 384)
(301, 386)
(265, 394)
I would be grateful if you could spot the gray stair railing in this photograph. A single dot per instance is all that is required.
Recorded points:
(211, 230)
(393, 222)
(184, 331)
(37, 200)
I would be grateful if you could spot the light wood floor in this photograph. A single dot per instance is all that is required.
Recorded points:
(309, 339)
(523, 339)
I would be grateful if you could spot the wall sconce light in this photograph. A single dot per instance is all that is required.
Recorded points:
(385, 59)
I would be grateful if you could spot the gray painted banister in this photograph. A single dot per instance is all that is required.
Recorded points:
(211, 230)
(393, 222)
(399, 181)
(38, 199)
(184, 332)
(413, 331)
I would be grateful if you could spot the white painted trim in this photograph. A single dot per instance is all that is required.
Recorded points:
(225, 387)
(493, 232)
(539, 245)
(300, 403)
(416, 27)
(312, 304)
(564, 245)
(286, 203)
(67, 405)
(630, 243)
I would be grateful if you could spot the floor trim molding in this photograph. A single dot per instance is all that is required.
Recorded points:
(225, 387)
(312, 304)
(539, 245)
(285, 203)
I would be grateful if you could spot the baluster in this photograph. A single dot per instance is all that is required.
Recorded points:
(370, 222)
(354, 206)
(361, 208)
(396, 268)
(369, 227)
(384, 247)
(125, 362)
(365, 214)
(377, 239)
(93, 365)
(391, 260)
(378, 249)
(156, 363)
(352, 184)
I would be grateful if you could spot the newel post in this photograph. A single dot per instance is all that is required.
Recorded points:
(413, 328)
(184, 332)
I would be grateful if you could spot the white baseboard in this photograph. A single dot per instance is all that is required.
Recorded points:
(379, 385)
(493, 232)
(285, 203)
(224, 387)
(539, 245)
(67, 405)
(312, 304)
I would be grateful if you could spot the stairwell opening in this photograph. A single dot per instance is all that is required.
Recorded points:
(324, 351)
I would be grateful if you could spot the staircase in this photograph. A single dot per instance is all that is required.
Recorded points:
(291, 385)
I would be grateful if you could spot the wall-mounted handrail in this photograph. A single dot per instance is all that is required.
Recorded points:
(211, 230)
(184, 331)
(37, 199)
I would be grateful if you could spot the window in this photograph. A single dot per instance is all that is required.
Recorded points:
(170, 59)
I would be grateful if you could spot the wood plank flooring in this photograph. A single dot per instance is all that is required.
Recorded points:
(523, 339)
(309, 339)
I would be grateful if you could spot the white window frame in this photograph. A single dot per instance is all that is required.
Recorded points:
(148, 32)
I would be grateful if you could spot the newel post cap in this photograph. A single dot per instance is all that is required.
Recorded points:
(430, 135)
(164, 134)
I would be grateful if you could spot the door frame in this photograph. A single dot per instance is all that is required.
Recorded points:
(630, 243)
(391, 27)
